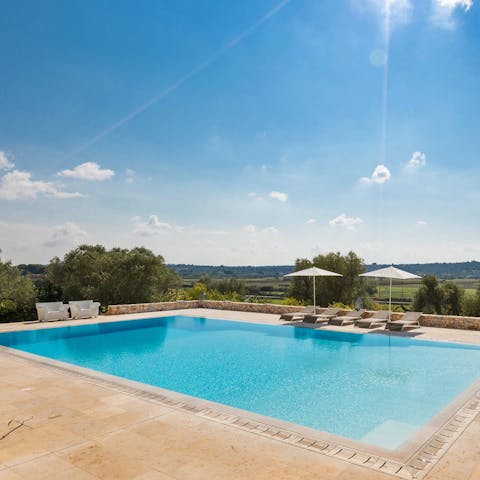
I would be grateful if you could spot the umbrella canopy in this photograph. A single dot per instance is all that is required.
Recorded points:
(313, 272)
(391, 273)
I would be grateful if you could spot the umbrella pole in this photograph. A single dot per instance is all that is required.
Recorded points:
(314, 297)
(390, 304)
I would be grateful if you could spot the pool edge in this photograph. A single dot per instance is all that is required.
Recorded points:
(413, 459)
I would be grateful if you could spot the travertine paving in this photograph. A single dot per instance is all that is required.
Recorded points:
(78, 429)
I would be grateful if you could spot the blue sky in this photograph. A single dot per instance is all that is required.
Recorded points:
(249, 132)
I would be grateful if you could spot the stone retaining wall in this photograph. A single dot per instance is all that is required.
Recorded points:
(442, 321)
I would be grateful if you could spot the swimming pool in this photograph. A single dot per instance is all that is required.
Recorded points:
(372, 388)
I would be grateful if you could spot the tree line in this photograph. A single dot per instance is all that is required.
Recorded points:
(122, 276)
(441, 270)
(446, 298)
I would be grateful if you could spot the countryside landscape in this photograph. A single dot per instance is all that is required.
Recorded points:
(268, 282)
(239, 240)
(457, 285)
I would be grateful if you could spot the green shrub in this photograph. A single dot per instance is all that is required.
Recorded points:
(341, 305)
(291, 301)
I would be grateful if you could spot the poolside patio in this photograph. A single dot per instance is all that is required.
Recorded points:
(80, 428)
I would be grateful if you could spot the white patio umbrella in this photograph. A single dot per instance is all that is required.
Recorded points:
(392, 273)
(313, 272)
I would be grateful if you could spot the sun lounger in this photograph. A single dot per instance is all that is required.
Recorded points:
(325, 316)
(51, 311)
(347, 319)
(296, 315)
(378, 318)
(409, 321)
(84, 308)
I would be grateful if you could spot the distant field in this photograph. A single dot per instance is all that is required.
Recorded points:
(276, 288)
(268, 287)
(407, 290)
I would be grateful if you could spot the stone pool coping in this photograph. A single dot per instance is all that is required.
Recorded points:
(414, 459)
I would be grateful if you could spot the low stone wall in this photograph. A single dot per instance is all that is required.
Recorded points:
(213, 304)
(151, 307)
(441, 321)
(450, 321)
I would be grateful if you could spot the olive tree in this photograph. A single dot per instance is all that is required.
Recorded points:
(471, 304)
(113, 276)
(17, 294)
(428, 298)
(342, 289)
(452, 298)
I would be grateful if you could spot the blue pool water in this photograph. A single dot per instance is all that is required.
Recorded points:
(366, 387)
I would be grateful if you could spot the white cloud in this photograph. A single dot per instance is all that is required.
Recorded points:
(452, 4)
(67, 233)
(153, 226)
(18, 184)
(252, 194)
(280, 196)
(270, 230)
(346, 222)
(5, 164)
(422, 223)
(311, 221)
(417, 160)
(443, 11)
(250, 228)
(130, 175)
(89, 171)
(380, 175)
